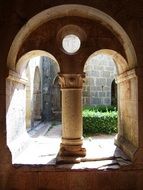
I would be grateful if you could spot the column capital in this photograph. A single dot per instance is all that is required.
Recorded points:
(71, 80)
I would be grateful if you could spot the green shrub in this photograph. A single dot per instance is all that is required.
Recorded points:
(100, 108)
(95, 121)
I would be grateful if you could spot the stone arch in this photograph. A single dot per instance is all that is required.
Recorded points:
(128, 125)
(72, 10)
(121, 63)
(17, 102)
(126, 80)
(100, 70)
(22, 62)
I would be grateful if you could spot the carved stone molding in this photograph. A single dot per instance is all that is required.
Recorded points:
(71, 80)
(126, 76)
(13, 76)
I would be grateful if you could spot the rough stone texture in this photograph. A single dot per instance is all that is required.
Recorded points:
(100, 73)
(71, 145)
(42, 91)
(128, 114)
(50, 90)
(14, 15)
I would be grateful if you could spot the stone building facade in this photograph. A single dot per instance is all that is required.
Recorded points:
(99, 82)
(98, 88)
(42, 91)
(51, 107)
(100, 73)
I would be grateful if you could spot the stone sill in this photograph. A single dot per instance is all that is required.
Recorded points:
(101, 154)
(108, 165)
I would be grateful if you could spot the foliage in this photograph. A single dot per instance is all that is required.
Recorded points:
(99, 119)
(100, 108)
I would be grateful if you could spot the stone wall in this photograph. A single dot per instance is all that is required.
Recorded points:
(14, 15)
(50, 89)
(42, 91)
(100, 72)
(17, 137)
(15, 109)
(33, 91)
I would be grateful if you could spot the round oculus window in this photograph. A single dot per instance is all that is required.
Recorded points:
(71, 43)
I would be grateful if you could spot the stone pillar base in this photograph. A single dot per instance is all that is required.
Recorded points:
(72, 150)
(70, 154)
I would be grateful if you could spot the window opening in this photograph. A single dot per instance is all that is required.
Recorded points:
(30, 140)
(42, 77)
(71, 43)
(99, 113)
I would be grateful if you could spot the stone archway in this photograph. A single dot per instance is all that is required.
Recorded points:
(71, 80)
(19, 102)
(100, 70)
(71, 10)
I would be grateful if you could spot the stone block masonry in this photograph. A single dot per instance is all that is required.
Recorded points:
(100, 73)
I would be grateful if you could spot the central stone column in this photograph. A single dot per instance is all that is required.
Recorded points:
(72, 130)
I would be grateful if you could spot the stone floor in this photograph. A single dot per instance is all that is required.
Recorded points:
(45, 140)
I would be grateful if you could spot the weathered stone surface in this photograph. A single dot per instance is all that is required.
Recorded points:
(100, 72)
(100, 35)
(50, 90)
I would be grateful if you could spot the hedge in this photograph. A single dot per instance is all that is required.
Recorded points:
(95, 121)
(100, 108)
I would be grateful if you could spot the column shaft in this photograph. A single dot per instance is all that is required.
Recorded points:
(71, 114)
(71, 87)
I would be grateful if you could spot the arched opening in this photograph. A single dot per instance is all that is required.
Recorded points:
(40, 72)
(29, 119)
(73, 10)
(72, 71)
(114, 93)
(100, 72)
(100, 116)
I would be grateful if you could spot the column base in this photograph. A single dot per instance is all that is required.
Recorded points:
(70, 154)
